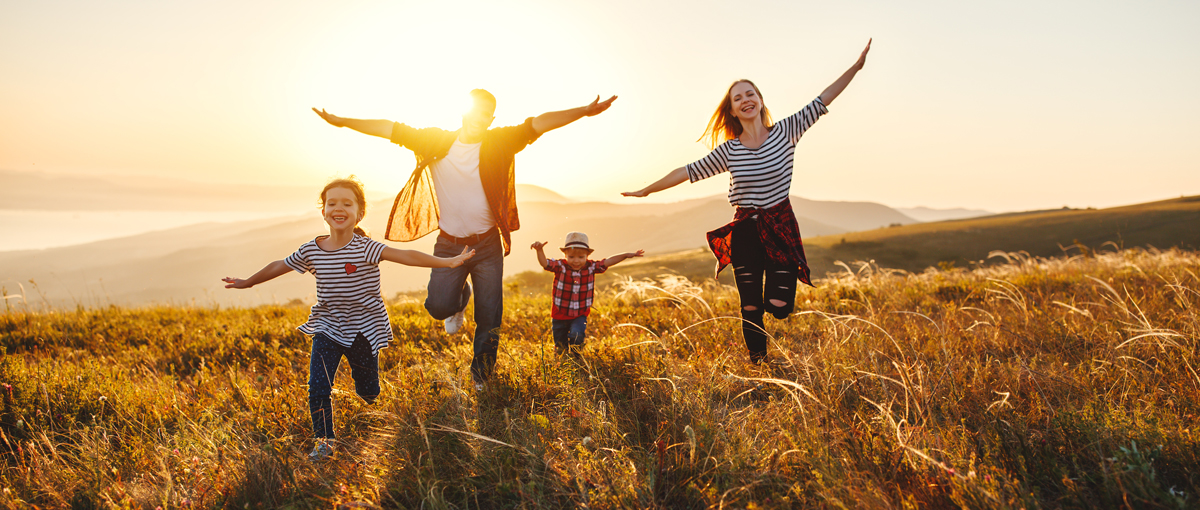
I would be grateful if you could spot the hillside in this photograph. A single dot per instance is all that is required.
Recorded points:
(1163, 224)
(965, 243)
(184, 265)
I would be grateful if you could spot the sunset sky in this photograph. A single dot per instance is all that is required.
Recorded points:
(998, 105)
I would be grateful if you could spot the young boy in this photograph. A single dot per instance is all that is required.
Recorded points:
(574, 285)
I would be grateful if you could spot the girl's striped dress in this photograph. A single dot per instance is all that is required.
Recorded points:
(349, 299)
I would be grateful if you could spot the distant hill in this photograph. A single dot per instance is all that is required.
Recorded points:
(964, 243)
(185, 264)
(929, 214)
(534, 193)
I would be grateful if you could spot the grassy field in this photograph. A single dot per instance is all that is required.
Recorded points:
(1033, 383)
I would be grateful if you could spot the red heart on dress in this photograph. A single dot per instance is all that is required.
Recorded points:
(351, 268)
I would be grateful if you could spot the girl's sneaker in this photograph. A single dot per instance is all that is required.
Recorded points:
(323, 450)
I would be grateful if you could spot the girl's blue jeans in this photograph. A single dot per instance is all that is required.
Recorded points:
(326, 356)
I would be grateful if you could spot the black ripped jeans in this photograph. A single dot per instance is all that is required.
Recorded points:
(758, 282)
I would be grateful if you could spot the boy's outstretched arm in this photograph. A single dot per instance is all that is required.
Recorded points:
(421, 259)
(537, 246)
(617, 259)
(378, 127)
(270, 272)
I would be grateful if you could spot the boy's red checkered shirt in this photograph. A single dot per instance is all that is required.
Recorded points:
(573, 288)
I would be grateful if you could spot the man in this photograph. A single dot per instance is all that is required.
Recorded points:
(463, 185)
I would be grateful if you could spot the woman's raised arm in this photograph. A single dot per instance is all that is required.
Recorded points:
(831, 92)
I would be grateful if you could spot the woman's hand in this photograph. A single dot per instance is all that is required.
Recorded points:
(462, 257)
(673, 178)
(835, 89)
(862, 59)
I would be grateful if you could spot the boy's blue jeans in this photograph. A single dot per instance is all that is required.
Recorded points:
(569, 333)
(323, 365)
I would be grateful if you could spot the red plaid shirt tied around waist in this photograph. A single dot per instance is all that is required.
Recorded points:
(573, 288)
(780, 236)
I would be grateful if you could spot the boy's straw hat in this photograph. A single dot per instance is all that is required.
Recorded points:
(576, 240)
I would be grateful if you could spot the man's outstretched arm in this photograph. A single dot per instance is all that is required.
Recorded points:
(378, 127)
(554, 120)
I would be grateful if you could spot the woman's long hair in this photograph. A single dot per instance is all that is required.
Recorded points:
(724, 125)
(351, 183)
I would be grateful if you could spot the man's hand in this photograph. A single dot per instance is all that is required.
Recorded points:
(597, 107)
(639, 193)
(332, 119)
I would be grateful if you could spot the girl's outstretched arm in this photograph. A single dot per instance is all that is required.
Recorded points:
(676, 177)
(421, 259)
(270, 272)
(617, 259)
(838, 86)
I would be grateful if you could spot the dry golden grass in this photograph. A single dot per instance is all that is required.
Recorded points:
(1057, 383)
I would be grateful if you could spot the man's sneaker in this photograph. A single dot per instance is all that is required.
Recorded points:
(455, 322)
(323, 450)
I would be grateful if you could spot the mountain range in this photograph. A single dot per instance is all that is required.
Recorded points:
(184, 265)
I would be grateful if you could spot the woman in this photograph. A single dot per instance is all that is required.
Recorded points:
(763, 240)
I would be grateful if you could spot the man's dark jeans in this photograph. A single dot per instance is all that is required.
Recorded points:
(322, 367)
(449, 294)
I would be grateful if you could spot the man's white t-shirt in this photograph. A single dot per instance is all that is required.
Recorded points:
(462, 204)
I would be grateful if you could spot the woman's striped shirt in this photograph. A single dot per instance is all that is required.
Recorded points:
(761, 177)
(349, 300)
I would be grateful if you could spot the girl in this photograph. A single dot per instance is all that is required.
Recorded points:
(763, 240)
(349, 318)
